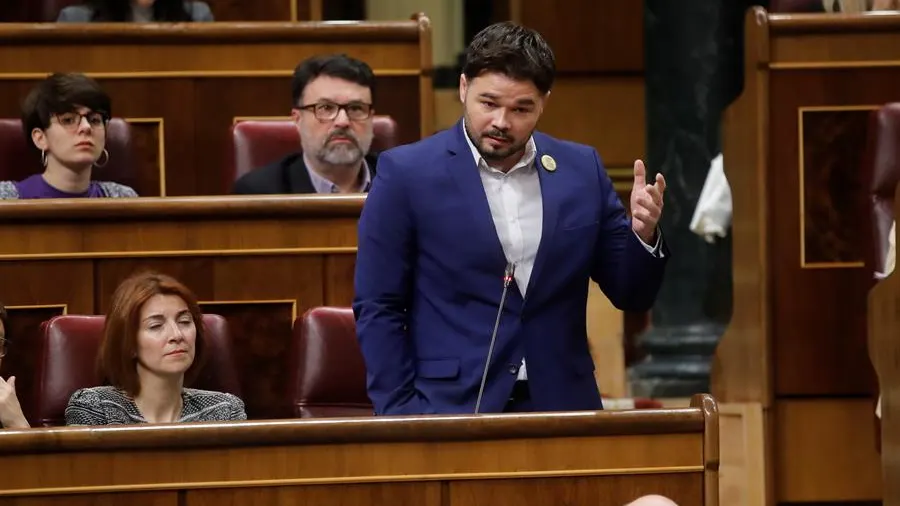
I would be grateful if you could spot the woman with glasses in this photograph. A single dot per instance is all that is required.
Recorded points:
(66, 117)
(11, 416)
(153, 344)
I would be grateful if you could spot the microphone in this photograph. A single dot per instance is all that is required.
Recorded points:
(507, 279)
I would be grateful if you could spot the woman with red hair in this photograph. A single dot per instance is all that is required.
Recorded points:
(153, 343)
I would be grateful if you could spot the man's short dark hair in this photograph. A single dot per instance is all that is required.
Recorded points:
(514, 51)
(339, 66)
(60, 94)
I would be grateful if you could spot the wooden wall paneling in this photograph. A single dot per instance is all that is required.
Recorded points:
(395, 494)
(820, 280)
(117, 499)
(604, 112)
(681, 488)
(302, 10)
(851, 469)
(338, 273)
(148, 144)
(32, 298)
(590, 35)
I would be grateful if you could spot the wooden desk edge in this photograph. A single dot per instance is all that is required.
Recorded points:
(249, 206)
(357, 430)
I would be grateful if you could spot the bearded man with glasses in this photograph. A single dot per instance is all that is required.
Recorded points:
(332, 110)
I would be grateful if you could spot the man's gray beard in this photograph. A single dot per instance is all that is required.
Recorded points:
(341, 155)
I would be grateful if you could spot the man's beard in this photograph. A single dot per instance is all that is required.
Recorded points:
(341, 153)
(490, 154)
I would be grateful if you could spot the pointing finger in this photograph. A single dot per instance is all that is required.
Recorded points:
(640, 174)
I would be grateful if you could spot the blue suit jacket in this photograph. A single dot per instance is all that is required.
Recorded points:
(429, 275)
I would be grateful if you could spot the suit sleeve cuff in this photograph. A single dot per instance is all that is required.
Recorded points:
(656, 249)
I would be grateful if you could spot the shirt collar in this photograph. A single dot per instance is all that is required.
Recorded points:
(322, 185)
(526, 160)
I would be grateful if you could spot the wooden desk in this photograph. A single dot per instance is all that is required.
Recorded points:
(796, 344)
(182, 86)
(884, 348)
(578, 458)
(258, 261)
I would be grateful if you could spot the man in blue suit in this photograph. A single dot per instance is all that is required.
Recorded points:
(448, 215)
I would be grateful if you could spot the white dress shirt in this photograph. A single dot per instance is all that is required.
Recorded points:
(518, 213)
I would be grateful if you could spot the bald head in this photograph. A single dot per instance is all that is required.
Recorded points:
(652, 500)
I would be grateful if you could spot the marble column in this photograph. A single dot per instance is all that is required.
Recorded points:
(693, 69)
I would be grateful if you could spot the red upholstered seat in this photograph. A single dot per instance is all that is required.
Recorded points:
(328, 367)
(258, 143)
(70, 345)
(881, 173)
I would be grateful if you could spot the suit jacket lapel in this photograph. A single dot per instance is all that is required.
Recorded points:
(552, 192)
(297, 177)
(464, 172)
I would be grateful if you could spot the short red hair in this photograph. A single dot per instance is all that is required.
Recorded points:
(118, 353)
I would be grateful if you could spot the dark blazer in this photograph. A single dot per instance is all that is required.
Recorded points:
(429, 272)
(286, 176)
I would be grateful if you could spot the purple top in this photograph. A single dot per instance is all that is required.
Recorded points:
(34, 187)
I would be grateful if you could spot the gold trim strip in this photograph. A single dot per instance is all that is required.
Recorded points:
(65, 307)
(836, 108)
(292, 302)
(833, 265)
(343, 250)
(620, 172)
(801, 166)
(833, 65)
(355, 479)
(294, 14)
(161, 148)
(237, 119)
(182, 74)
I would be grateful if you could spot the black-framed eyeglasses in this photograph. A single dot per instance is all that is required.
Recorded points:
(327, 111)
(4, 343)
(71, 120)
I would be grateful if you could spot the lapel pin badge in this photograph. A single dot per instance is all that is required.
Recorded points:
(549, 163)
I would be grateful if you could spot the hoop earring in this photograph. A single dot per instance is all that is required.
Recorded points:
(43, 158)
(101, 165)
